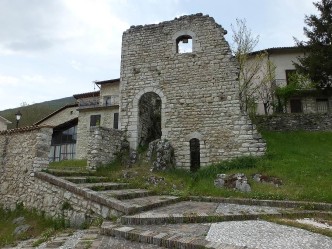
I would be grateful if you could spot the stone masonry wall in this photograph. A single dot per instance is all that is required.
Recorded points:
(23, 153)
(103, 145)
(198, 90)
(83, 128)
(295, 121)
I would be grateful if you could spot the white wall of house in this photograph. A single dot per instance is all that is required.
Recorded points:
(3, 123)
(283, 59)
(61, 117)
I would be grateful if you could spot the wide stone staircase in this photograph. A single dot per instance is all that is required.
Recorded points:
(163, 221)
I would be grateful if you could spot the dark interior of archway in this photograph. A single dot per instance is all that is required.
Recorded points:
(149, 118)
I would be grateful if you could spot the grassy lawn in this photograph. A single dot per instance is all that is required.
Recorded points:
(39, 226)
(303, 160)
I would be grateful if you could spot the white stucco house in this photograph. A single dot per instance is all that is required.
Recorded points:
(305, 101)
(3, 123)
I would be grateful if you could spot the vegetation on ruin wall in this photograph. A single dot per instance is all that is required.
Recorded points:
(301, 159)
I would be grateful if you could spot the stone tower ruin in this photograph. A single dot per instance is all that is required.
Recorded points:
(179, 81)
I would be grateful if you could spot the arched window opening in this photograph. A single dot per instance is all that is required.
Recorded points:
(149, 126)
(184, 44)
(195, 157)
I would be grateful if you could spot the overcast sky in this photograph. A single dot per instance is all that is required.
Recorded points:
(51, 49)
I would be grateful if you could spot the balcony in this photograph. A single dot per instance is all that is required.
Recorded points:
(92, 103)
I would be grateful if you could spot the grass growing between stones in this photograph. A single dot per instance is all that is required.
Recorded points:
(302, 160)
(38, 226)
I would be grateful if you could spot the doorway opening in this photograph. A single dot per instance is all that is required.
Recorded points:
(149, 125)
(195, 160)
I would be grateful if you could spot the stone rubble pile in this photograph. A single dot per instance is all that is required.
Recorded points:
(239, 181)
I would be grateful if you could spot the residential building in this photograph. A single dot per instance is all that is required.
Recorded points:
(303, 101)
(3, 123)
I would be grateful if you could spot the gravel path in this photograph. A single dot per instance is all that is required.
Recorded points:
(266, 235)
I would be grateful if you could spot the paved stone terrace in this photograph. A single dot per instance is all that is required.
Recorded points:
(171, 222)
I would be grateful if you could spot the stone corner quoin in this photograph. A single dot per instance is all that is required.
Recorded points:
(198, 89)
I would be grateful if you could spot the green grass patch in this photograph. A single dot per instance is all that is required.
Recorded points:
(39, 226)
(310, 228)
(302, 160)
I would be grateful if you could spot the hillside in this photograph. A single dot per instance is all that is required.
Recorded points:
(35, 112)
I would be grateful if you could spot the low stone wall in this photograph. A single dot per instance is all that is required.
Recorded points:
(22, 153)
(104, 143)
(61, 198)
(295, 121)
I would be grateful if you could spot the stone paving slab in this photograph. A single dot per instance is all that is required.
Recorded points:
(148, 202)
(85, 179)
(187, 236)
(193, 212)
(118, 243)
(126, 193)
(104, 185)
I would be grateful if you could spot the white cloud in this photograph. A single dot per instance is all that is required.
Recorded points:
(6, 81)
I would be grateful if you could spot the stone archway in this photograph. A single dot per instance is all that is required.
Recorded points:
(149, 118)
(131, 125)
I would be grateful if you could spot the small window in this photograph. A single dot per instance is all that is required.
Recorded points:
(116, 121)
(184, 44)
(94, 120)
(322, 105)
(289, 74)
(107, 101)
(296, 105)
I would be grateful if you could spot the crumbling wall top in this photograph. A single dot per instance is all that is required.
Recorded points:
(192, 17)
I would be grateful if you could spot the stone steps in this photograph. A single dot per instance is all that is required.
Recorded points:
(85, 179)
(150, 202)
(119, 195)
(198, 212)
(70, 172)
(159, 236)
(126, 193)
(104, 186)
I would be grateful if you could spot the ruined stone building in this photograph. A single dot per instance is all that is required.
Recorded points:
(179, 82)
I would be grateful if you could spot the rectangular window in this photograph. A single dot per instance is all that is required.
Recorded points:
(322, 105)
(296, 105)
(116, 121)
(95, 120)
(289, 73)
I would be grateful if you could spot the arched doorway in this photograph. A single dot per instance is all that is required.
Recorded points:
(195, 158)
(149, 124)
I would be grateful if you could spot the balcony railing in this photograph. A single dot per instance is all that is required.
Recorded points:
(107, 101)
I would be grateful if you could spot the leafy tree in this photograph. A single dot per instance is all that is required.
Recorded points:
(266, 85)
(256, 74)
(244, 44)
(317, 62)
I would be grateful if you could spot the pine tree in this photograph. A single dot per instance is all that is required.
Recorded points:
(317, 61)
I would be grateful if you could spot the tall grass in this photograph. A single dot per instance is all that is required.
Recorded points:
(39, 224)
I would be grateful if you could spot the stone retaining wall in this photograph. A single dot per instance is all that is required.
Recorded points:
(103, 145)
(294, 122)
(23, 154)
